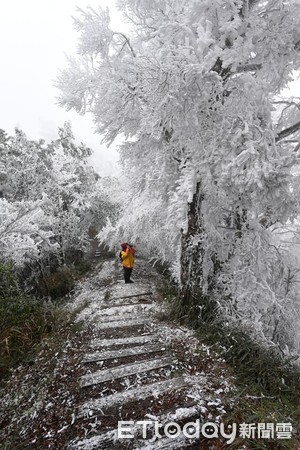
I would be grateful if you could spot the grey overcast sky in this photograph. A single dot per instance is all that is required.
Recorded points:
(35, 36)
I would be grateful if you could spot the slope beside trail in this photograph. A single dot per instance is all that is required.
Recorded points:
(121, 360)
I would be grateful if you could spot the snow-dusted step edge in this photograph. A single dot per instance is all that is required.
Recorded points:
(124, 341)
(120, 305)
(109, 440)
(117, 317)
(131, 351)
(166, 443)
(134, 309)
(135, 394)
(121, 323)
(101, 442)
(138, 294)
(114, 373)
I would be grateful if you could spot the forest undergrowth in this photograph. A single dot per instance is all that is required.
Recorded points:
(26, 320)
(268, 383)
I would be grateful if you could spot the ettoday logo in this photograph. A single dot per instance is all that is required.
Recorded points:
(195, 429)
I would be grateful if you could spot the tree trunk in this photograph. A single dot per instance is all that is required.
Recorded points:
(196, 306)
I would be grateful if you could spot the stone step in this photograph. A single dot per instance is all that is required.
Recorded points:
(114, 373)
(135, 394)
(124, 341)
(110, 441)
(116, 318)
(121, 323)
(131, 351)
(126, 305)
(120, 310)
(113, 438)
(101, 442)
(132, 295)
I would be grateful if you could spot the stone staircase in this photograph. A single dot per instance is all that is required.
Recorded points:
(133, 373)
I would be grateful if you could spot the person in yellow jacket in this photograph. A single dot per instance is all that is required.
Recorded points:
(127, 257)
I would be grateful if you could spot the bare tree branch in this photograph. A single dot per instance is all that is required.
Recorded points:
(288, 102)
(249, 68)
(287, 131)
(126, 40)
(296, 149)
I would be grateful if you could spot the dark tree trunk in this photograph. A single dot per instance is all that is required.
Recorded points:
(196, 306)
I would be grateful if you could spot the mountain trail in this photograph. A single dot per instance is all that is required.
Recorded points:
(127, 378)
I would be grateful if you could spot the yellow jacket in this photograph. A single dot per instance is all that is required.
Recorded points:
(128, 257)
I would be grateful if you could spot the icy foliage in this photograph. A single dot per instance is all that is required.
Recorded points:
(47, 194)
(195, 90)
(21, 230)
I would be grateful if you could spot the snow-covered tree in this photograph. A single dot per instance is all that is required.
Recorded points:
(47, 193)
(23, 231)
(210, 146)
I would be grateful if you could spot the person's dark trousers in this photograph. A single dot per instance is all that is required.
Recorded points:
(127, 274)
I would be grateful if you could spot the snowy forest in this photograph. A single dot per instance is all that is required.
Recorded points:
(52, 204)
(210, 155)
(197, 96)
(210, 159)
(210, 149)
(51, 201)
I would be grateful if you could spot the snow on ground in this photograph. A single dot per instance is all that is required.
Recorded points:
(42, 400)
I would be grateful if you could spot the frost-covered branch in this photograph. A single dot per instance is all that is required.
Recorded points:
(287, 131)
(127, 41)
(249, 68)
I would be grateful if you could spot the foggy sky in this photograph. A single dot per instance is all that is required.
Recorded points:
(35, 36)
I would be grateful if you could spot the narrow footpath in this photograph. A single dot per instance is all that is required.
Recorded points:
(128, 379)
